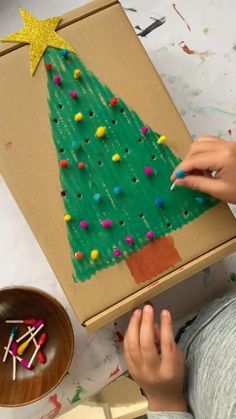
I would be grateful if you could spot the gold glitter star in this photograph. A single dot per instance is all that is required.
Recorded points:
(40, 34)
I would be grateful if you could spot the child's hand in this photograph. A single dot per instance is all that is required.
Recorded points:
(209, 154)
(154, 360)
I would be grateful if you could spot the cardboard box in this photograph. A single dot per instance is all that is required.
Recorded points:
(101, 32)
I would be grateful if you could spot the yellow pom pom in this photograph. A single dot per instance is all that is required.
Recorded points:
(94, 254)
(22, 348)
(78, 117)
(162, 139)
(67, 217)
(116, 157)
(77, 73)
(101, 131)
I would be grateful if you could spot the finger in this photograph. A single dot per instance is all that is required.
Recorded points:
(167, 335)
(211, 138)
(209, 161)
(147, 336)
(133, 337)
(204, 147)
(214, 187)
(130, 364)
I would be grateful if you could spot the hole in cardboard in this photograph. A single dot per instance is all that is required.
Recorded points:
(79, 195)
(86, 140)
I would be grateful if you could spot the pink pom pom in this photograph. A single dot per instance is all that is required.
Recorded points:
(148, 170)
(117, 252)
(144, 130)
(106, 223)
(74, 94)
(83, 224)
(57, 80)
(150, 235)
(129, 239)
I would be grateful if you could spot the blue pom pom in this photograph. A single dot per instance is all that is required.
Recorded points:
(64, 53)
(75, 145)
(201, 200)
(180, 174)
(159, 202)
(117, 190)
(97, 197)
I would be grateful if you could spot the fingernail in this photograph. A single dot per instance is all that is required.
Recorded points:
(147, 308)
(136, 312)
(165, 313)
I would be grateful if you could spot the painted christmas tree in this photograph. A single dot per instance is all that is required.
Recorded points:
(114, 169)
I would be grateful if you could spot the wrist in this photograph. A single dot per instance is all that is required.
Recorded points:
(155, 404)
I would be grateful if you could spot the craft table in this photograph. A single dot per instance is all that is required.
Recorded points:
(196, 61)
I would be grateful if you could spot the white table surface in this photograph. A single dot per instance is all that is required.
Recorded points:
(203, 87)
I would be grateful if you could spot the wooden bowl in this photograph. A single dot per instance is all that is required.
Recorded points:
(30, 386)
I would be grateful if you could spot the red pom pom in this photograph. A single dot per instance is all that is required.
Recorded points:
(113, 101)
(48, 66)
(79, 255)
(81, 165)
(63, 163)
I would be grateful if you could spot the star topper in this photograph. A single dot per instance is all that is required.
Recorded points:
(40, 34)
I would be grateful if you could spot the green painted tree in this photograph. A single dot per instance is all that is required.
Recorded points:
(114, 170)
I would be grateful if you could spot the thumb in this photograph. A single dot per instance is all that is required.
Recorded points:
(214, 187)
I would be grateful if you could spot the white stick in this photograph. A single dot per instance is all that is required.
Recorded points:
(17, 357)
(34, 340)
(14, 321)
(33, 356)
(31, 329)
(8, 347)
(172, 186)
(34, 334)
(14, 368)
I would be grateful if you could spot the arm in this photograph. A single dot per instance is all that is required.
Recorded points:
(156, 364)
(210, 154)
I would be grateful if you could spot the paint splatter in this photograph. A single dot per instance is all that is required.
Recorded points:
(55, 411)
(181, 16)
(138, 27)
(119, 336)
(115, 372)
(234, 47)
(205, 109)
(154, 25)
(162, 50)
(79, 391)
(195, 92)
(8, 145)
(233, 277)
(205, 31)
(130, 9)
(230, 131)
(189, 51)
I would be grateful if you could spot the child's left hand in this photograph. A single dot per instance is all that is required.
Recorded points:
(155, 361)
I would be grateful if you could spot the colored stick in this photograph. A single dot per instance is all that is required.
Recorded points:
(25, 344)
(30, 321)
(32, 329)
(11, 337)
(40, 354)
(22, 361)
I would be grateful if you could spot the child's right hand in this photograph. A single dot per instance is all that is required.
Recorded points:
(211, 154)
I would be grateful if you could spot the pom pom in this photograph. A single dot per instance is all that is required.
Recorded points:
(114, 101)
(144, 130)
(57, 80)
(63, 163)
(77, 73)
(201, 200)
(97, 197)
(94, 254)
(79, 116)
(79, 255)
(148, 170)
(101, 131)
(67, 217)
(107, 223)
(75, 145)
(117, 252)
(116, 158)
(117, 190)
(159, 202)
(180, 174)
(74, 94)
(81, 165)
(162, 139)
(83, 224)
(64, 53)
(150, 235)
(48, 66)
(129, 239)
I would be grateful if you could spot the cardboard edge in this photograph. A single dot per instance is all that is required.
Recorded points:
(160, 285)
(67, 19)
